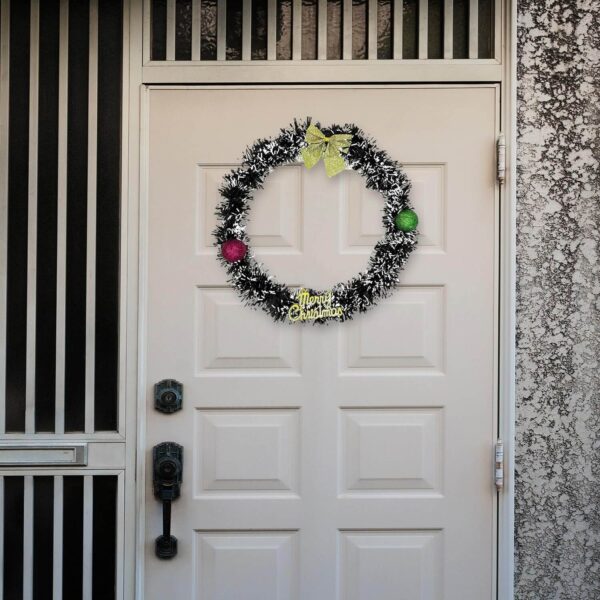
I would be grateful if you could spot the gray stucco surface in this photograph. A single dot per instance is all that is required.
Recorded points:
(558, 330)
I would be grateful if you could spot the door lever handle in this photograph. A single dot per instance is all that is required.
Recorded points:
(167, 461)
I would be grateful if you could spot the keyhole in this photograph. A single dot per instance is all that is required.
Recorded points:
(169, 397)
(167, 470)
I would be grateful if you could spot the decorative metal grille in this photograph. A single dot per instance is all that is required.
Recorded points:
(59, 535)
(60, 163)
(258, 30)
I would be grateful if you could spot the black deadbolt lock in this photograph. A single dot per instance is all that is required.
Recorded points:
(167, 461)
(168, 396)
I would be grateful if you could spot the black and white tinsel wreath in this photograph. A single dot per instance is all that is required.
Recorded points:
(257, 287)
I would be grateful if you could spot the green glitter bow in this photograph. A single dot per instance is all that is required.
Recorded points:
(331, 149)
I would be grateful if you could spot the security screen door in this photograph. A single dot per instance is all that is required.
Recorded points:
(351, 461)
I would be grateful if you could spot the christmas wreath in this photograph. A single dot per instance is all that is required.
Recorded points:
(340, 147)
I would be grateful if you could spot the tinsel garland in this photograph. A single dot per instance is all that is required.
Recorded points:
(382, 174)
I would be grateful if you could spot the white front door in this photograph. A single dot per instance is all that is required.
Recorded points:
(352, 461)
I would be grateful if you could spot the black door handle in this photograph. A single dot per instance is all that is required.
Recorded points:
(167, 461)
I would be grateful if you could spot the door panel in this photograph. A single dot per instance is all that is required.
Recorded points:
(351, 461)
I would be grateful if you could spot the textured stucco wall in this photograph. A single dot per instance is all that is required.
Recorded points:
(558, 347)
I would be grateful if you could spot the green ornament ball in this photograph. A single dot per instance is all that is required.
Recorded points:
(406, 220)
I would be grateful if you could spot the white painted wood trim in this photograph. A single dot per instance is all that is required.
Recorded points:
(221, 30)
(101, 436)
(90, 311)
(272, 30)
(309, 71)
(507, 37)
(61, 234)
(398, 29)
(372, 39)
(134, 132)
(423, 28)
(247, 30)
(120, 541)
(142, 309)
(196, 29)
(1, 537)
(496, 416)
(347, 25)
(171, 29)
(32, 192)
(322, 30)
(45, 471)
(473, 29)
(57, 539)
(28, 537)
(88, 533)
(129, 73)
(449, 29)
(4, 99)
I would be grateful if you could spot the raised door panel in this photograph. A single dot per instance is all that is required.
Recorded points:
(261, 565)
(391, 451)
(388, 565)
(247, 451)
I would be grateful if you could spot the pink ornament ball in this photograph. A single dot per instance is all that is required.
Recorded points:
(233, 250)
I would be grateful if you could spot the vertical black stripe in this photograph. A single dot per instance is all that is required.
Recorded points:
(18, 158)
(385, 29)
(45, 345)
(208, 30)
(233, 35)
(309, 46)
(104, 537)
(13, 538)
(284, 30)
(335, 30)
(259, 30)
(183, 29)
(159, 29)
(435, 27)
(72, 538)
(43, 515)
(410, 29)
(485, 29)
(76, 215)
(110, 48)
(461, 29)
(360, 30)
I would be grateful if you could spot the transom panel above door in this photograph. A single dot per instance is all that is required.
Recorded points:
(254, 41)
(348, 462)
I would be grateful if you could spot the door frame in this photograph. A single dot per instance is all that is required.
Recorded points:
(499, 269)
(134, 264)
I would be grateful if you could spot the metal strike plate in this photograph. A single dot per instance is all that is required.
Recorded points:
(168, 396)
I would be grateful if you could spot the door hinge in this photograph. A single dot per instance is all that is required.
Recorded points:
(501, 158)
(499, 465)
